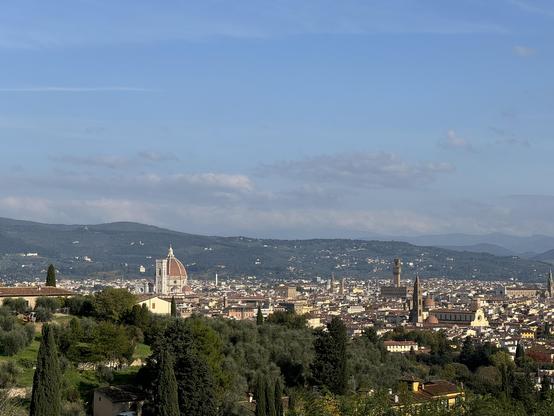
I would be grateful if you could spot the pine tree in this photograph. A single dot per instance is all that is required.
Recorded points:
(46, 395)
(51, 276)
(337, 330)
(468, 352)
(329, 368)
(260, 396)
(166, 399)
(173, 307)
(259, 317)
(195, 385)
(278, 397)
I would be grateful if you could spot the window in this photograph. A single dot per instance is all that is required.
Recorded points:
(153, 305)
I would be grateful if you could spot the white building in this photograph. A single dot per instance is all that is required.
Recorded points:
(401, 346)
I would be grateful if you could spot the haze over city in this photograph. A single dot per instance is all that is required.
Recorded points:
(289, 119)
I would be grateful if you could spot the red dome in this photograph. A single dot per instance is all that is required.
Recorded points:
(174, 267)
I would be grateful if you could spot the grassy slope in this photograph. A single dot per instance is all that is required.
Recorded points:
(83, 380)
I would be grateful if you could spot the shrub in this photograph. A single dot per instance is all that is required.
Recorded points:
(8, 374)
(18, 305)
(49, 303)
(43, 314)
(26, 362)
(12, 341)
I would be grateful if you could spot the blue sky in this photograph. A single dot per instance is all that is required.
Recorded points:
(280, 118)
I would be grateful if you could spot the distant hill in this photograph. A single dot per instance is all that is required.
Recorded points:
(516, 244)
(483, 248)
(547, 256)
(120, 248)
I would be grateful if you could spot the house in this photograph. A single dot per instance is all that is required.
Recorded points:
(420, 393)
(400, 346)
(32, 293)
(240, 313)
(541, 353)
(155, 304)
(117, 400)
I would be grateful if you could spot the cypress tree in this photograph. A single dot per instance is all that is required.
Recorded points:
(166, 399)
(46, 396)
(270, 398)
(173, 307)
(51, 276)
(520, 354)
(545, 387)
(278, 397)
(259, 317)
(261, 396)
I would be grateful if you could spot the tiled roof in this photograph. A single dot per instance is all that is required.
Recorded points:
(11, 292)
(120, 394)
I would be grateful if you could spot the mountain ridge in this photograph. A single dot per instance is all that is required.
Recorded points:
(115, 249)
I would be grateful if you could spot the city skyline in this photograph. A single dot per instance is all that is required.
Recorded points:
(280, 120)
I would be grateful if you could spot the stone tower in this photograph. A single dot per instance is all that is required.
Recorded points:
(550, 285)
(416, 314)
(397, 269)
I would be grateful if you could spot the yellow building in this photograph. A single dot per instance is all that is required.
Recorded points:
(31, 294)
(527, 334)
(420, 393)
(155, 304)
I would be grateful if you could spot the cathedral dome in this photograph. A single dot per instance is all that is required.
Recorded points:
(432, 319)
(174, 267)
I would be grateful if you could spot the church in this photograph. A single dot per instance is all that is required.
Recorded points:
(171, 275)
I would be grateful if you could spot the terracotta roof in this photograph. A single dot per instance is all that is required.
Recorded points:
(437, 389)
(175, 268)
(459, 311)
(10, 292)
(146, 296)
(120, 394)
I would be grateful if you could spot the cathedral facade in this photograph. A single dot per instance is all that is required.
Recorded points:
(171, 275)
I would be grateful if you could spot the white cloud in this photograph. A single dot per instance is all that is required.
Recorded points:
(453, 142)
(44, 89)
(106, 161)
(359, 170)
(524, 51)
(512, 141)
(153, 156)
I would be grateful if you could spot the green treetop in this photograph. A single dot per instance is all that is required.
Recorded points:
(51, 276)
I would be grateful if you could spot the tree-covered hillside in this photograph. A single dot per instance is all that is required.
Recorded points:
(120, 248)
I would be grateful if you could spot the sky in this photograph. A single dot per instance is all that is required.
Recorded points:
(282, 118)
